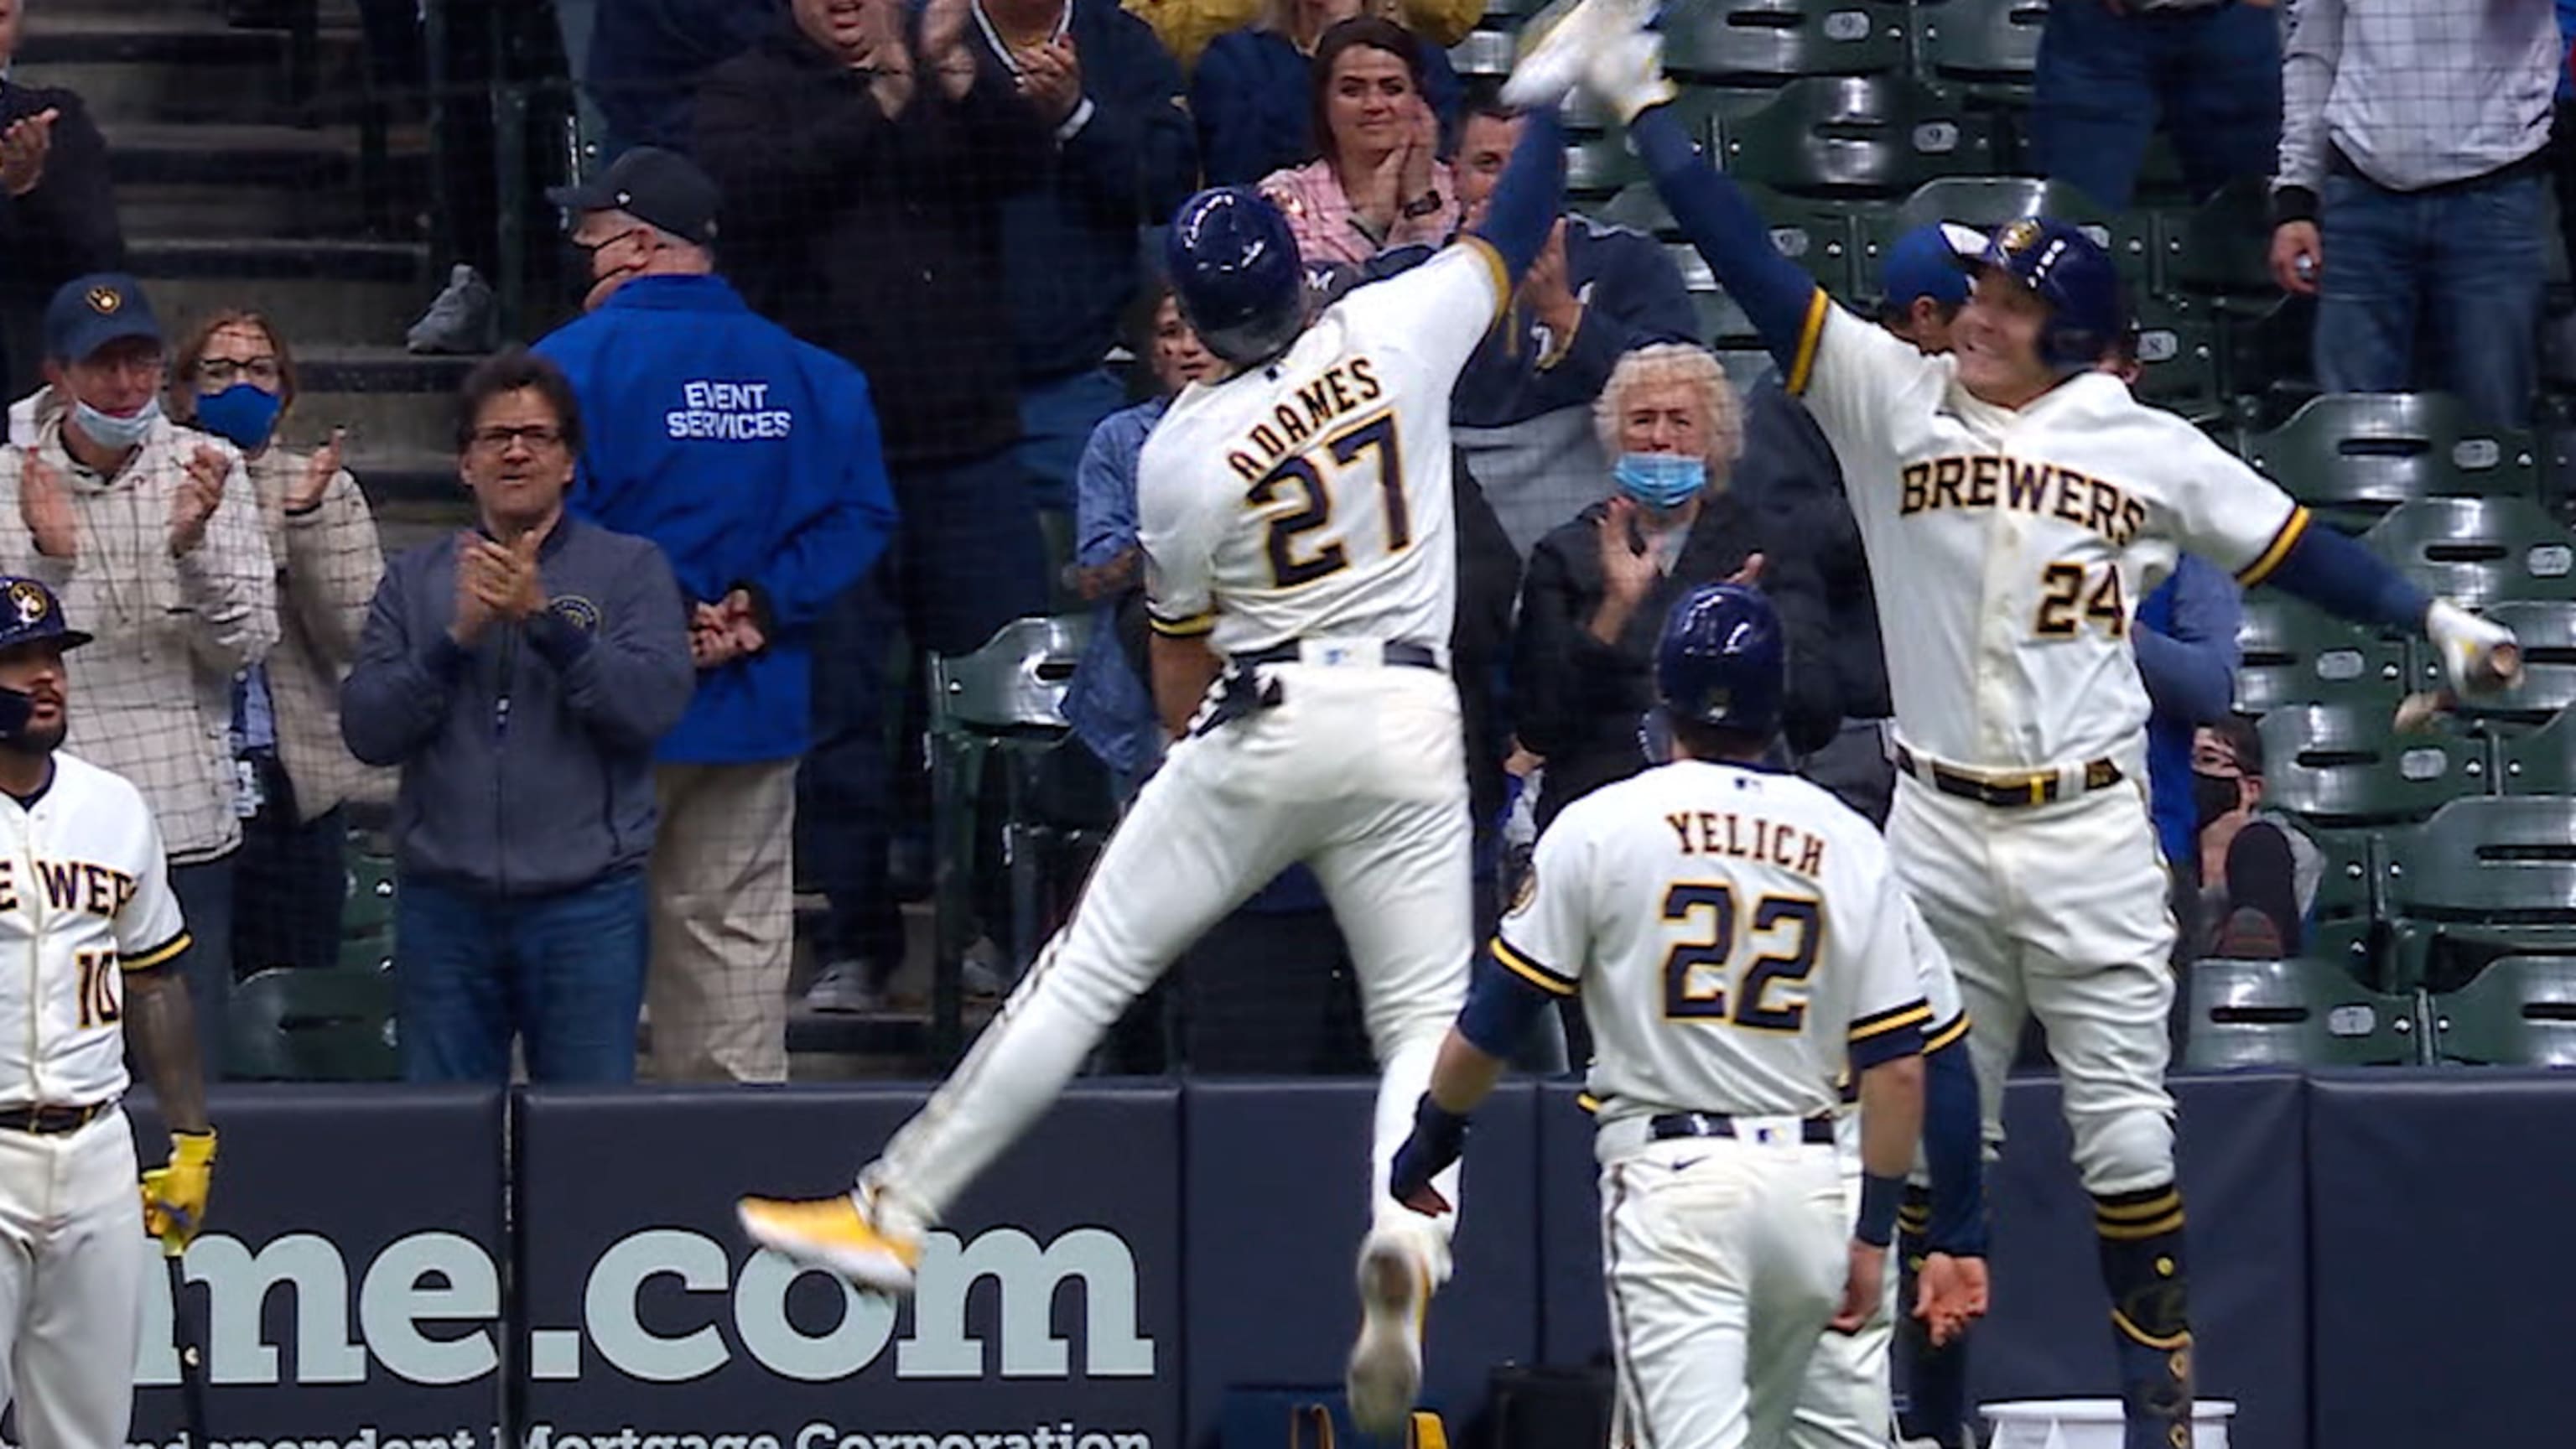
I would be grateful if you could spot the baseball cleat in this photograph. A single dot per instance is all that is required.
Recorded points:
(1566, 35)
(836, 1235)
(1385, 1374)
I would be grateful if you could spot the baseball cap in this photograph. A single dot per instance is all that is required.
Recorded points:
(29, 611)
(1928, 262)
(87, 313)
(652, 185)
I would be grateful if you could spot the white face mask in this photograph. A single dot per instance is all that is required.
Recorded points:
(114, 432)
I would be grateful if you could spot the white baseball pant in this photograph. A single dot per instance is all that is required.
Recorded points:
(1847, 1401)
(1360, 772)
(2057, 910)
(1723, 1258)
(72, 1261)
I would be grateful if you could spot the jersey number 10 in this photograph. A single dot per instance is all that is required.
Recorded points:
(1695, 971)
(1314, 511)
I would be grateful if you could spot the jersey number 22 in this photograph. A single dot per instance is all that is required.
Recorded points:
(1695, 970)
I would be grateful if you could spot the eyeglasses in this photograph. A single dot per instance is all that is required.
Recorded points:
(222, 371)
(498, 440)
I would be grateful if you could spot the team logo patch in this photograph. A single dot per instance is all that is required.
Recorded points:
(1525, 893)
(2021, 236)
(27, 603)
(105, 301)
(575, 610)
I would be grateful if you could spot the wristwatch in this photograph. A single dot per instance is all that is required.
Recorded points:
(1423, 205)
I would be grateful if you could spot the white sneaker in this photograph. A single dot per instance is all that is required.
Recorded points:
(1558, 45)
(1385, 1375)
(461, 319)
(843, 986)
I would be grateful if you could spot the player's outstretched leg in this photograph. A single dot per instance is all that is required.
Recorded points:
(2142, 1266)
(1186, 853)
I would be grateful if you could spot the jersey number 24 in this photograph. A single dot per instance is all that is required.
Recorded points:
(1304, 478)
(1696, 969)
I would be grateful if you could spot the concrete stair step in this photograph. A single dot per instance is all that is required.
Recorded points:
(316, 291)
(227, 153)
(178, 65)
(212, 208)
(391, 402)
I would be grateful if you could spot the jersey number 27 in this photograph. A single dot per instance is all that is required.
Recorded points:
(1308, 479)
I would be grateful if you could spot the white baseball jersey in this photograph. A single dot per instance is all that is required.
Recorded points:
(1310, 498)
(2010, 548)
(1737, 937)
(84, 897)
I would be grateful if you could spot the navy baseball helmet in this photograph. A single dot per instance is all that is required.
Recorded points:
(29, 612)
(2073, 275)
(1722, 660)
(1234, 271)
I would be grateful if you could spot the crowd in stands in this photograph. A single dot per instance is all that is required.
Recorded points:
(837, 390)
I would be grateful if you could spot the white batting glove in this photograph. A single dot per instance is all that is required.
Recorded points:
(2478, 655)
(1626, 74)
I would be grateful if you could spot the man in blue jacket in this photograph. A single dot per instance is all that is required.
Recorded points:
(520, 673)
(752, 459)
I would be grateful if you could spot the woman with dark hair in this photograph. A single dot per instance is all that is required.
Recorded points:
(235, 378)
(1379, 183)
(1252, 93)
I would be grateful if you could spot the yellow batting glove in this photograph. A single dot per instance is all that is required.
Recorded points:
(174, 1196)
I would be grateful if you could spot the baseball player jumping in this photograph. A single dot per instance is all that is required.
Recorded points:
(85, 904)
(1737, 938)
(2016, 504)
(1296, 519)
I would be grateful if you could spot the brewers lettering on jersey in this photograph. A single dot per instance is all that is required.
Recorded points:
(1738, 941)
(1302, 579)
(85, 903)
(2015, 503)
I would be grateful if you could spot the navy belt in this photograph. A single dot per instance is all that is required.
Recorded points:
(1411, 656)
(53, 1121)
(2003, 792)
(1816, 1131)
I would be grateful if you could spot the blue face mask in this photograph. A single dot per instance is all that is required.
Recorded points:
(1660, 481)
(116, 432)
(241, 414)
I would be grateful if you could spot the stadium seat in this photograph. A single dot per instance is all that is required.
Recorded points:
(2500, 868)
(1776, 40)
(1992, 44)
(2222, 247)
(1853, 137)
(1821, 236)
(2178, 358)
(1007, 699)
(2478, 551)
(286, 1025)
(2292, 652)
(1722, 322)
(2267, 354)
(2342, 763)
(2296, 1013)
(2354, 456)
(1987, 202)
(1600, 167)
(2547, 631)
(2348, 885)
(369, 907)
(1484, 53)
(2542, 762)
(2520, 1011)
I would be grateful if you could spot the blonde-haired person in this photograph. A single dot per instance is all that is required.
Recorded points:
(1599, 585)
(233, 376)
(1253, 93)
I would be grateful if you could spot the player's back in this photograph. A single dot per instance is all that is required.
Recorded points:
(1733, 913)
(1317, 487)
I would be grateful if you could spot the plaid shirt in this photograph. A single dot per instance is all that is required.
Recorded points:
(328, 562)
(152, 698)
(1328, 229)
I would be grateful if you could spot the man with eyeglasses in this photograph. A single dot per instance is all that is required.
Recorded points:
(520, 673)
(150, 534)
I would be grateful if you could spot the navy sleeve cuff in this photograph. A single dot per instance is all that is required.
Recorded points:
(446, 658)
(560, 642)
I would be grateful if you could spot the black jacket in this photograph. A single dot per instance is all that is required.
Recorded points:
(1791, 478)
(1489, 585)
(66, 227)
(878, 239)
(1580, 700)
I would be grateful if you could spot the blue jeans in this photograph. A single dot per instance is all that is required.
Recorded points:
(1056, 419)
(2456, 270)
(2211, 77)
(966, 560)
(564, 973)
(205, 892)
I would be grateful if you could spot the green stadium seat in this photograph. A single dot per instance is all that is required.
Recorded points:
(2292, 652)
(1854, 137)
(2542, 762)
(1485, 53)
(2178, 358)
(2296, 1013)
(2500, 859)
(1601, 166)
(1722, 322)
(367, 953)
(1991, 44)
(2354, 456)
(2348, 886)
(2478, 551)
(2222, 247)
(2547, 631)
(1821, 236)
(369, 908)
(2520, 1011)
(286, 1025)
(1987, 202)
(2342, 763)
(1774, 40)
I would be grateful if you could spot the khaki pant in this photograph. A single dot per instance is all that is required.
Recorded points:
(724, 930)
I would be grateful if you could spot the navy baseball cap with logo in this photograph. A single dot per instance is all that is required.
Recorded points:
(88, 313)
(1930, 261)
(30, 612)
(662, 188)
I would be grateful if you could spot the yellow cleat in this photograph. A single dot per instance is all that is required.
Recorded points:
(834, 1234)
